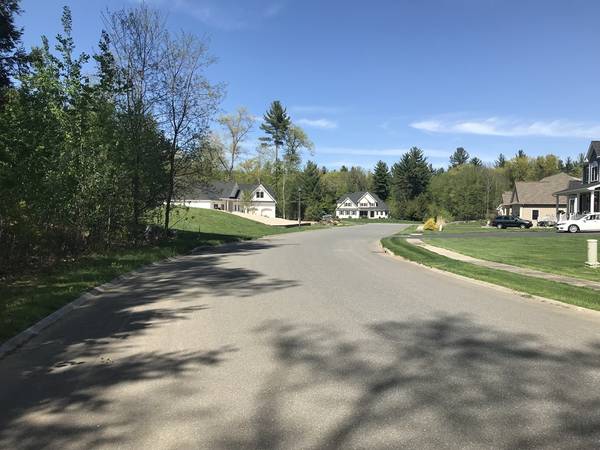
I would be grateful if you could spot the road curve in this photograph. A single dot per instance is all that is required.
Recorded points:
(309, 340)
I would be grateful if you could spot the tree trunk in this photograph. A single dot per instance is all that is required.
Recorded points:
(283, 197)
(170, 190)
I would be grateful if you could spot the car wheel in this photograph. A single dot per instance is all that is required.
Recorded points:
(573, 228)
(522, 226)
(499, 226)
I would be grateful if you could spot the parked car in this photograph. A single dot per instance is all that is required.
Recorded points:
(510, 221)
(546, 223)
(589, 222)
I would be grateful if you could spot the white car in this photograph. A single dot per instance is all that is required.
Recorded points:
(589, 222)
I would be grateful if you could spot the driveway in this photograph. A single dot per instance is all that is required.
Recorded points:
(308, 340)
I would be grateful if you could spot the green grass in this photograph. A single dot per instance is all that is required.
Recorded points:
(563, 255)
(26, 299)
(574, 295)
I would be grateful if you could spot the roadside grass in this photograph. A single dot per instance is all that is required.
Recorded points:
(28, 298)
(564, 255)
(574, 295)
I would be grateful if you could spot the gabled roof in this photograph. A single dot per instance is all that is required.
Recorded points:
(356, 196)
(216, 190)
(507, 197)
(541, 192)
(594, 147)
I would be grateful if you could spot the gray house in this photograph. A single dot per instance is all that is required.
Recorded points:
(583, 196)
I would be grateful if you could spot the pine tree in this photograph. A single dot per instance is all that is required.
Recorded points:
(10, 37)
(500, 162)
(410, 178)
(275, 125)
(381, 180)
(475, 161)
(459, 157)
(312, 192)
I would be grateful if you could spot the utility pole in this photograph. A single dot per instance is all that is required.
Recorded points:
(299, 210)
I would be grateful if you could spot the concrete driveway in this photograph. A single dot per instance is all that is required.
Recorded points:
(310, 340)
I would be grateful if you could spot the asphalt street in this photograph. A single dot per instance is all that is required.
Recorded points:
(311, 340)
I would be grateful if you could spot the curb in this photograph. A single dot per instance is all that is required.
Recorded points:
(23, 337)
(524, 295)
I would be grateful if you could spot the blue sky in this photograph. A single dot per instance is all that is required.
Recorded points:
(369, 79)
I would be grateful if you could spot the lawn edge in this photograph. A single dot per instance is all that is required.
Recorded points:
(21, 338)
(524, 295)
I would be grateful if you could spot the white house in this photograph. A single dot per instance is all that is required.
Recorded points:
(361, 205)
(229, 196)
(583, 196)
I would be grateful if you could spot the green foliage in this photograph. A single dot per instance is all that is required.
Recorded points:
(459, 157)
(467, 192)
(410, 178)
(312, 193)
(381, 180)
(68, 167)
(10, 37)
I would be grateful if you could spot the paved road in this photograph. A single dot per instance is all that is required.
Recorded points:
(311, 340)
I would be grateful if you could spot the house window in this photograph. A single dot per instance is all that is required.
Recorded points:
(347, 204)
(535, 214)
(260, 194)
(594, 172)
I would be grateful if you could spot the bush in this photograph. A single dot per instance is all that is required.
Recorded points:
(430, 225)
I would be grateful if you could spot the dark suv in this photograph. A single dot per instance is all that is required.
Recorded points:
(510, 221)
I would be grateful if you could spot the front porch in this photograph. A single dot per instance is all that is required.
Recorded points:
(579, 201)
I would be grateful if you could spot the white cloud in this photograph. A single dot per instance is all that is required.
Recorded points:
(224, 15)
(324, 124)
(495, 126)
(378, 152)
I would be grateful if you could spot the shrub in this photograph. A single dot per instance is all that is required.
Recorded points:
(430, 225)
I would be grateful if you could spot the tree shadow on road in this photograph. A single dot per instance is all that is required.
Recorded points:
(440, 383)
(72, 365)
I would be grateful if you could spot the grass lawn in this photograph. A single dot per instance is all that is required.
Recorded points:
(26, 299)
(563, 255)
(470, 227)
(574, 295)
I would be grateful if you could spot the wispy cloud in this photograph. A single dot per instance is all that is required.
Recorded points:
(324, 124)
(377, 152)
(226, 15)
(497, 126)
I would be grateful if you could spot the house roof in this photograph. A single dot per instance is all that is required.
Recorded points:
(356, 196)
(216, 190)
(541, 192)
(507, 197)
(594, 147)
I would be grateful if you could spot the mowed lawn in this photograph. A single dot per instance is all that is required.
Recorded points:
(27, 298)
(561, 254)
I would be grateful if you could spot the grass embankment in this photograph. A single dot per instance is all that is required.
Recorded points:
(563, 255)
(26, 299)
(574, 295)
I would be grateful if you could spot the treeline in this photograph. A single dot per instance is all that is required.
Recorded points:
(91, 145)
(467, 189)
